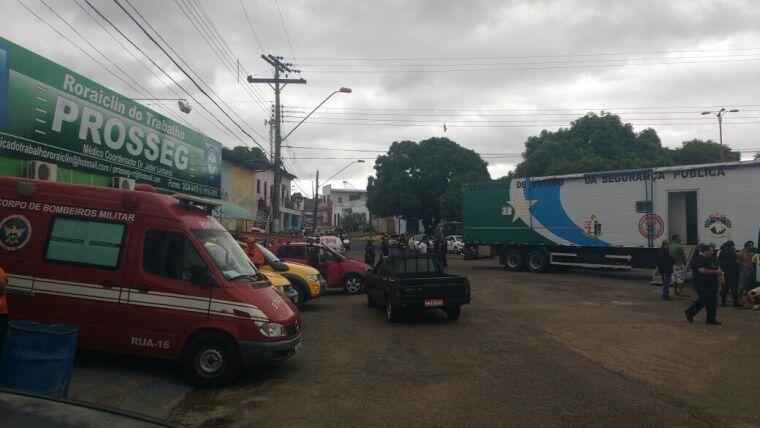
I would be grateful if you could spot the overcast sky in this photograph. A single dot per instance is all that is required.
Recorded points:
(495, 72)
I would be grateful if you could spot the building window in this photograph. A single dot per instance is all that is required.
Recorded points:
(85, 242)
(340, 200)
(258, 186)
(354, 197)
(265, 189)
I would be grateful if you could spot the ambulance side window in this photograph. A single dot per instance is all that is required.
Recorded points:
(85, 242)
(169, 254)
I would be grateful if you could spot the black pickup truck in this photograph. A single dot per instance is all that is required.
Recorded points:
(415, 282)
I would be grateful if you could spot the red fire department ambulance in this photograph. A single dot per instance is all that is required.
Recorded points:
(141, 273)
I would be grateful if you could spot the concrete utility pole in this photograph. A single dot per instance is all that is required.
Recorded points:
(277, 84)
(316, 201)
(719, 114)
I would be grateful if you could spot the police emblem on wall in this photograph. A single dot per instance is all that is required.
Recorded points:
(651, 226)
(15, 231)
(718, 224)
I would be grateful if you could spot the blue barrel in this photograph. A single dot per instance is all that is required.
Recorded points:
(38, 357)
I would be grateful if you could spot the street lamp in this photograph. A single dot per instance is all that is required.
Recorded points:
(184, 106)
(342, 90)
(719, 114)
(343, 169)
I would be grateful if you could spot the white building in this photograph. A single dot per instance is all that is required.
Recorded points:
(345, 201)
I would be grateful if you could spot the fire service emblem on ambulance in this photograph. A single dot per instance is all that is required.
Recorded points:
(15, 231)
(718, 224)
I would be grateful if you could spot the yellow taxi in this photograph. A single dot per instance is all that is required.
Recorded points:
(306, 280)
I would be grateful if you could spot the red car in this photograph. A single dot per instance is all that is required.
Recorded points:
(338, 270)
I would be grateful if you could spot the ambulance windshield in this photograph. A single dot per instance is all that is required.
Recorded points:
(227, 254)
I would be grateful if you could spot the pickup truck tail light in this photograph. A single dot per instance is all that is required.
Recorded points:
(467, 286)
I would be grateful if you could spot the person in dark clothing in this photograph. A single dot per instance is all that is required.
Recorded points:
(665, 268)
(442, 252)
(728, 261)
(369, 253)
(385, 246)
(706, 285)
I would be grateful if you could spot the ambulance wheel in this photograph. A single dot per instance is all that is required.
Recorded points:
(513, 259)
(211, 360)
(536, 261)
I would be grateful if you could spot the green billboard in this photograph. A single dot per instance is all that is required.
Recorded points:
(50, 113)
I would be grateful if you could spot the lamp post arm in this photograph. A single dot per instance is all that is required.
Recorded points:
(308, 115)
(334, 175)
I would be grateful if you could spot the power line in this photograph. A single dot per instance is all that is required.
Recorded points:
(533, 56)
(77, 46)
(196, 74)
(285, 28)
(438, 124)
(174, 61)
(250, 25)
(221, 47)
(483, 64)
(470, 70)
(160, 68)
(606, 109)
(157, 76)
(144, 91)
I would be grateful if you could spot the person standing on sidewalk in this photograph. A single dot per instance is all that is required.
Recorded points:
(706, 285)
(679, 265)
(729, 264)
(665, 268)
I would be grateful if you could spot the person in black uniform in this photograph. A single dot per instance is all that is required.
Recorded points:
(705, 284)
(728, 261)
(369, 253)
(384, 247)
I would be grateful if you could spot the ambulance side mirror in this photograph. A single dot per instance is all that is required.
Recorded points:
(201, 275)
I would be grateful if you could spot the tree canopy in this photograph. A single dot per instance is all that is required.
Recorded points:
(423, 180)
(602, 143)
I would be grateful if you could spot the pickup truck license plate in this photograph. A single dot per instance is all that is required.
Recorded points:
(432, 303)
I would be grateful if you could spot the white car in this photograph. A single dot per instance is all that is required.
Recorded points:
(454, 244)
(332, 242)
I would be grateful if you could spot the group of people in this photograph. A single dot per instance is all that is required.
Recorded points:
(715, 273)
(437, 247)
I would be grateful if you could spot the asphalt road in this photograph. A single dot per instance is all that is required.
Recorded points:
(574, 348)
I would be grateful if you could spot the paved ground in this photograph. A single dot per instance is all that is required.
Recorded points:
(576, 348)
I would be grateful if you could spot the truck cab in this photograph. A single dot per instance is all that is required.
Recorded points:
(141, 273)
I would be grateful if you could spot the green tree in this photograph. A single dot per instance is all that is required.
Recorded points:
(591, 143)
(354, 221)
(423, 180)
(699, 151)
(757, 156)
(602, 143)
(252, 156)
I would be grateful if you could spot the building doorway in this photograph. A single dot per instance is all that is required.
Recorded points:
(682, 216)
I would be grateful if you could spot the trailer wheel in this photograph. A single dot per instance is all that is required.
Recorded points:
(536, 261)
(513, 259)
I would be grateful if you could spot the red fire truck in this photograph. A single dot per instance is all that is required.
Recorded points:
(141, 273)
